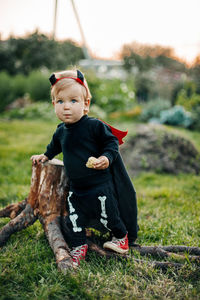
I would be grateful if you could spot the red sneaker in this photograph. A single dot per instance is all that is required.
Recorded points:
(78, 254)
(118, 245)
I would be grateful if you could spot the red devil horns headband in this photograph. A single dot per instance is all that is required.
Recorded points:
(79, 79)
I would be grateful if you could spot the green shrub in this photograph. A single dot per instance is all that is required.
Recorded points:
(191, 102)
(132, 114)
(109, 95)
(19, 86)
(153, 108)
(112, 94)
(97, 112)
(176, 116)
(38, 86)
(196, 119)
(6, 92)
(39, 110)
(144, 87)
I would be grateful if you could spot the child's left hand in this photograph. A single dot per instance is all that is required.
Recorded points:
(99, 163)
(102, 163)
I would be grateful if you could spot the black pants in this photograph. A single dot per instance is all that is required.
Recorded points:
(94, 203)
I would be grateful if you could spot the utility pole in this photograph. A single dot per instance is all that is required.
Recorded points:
(85, 49)
(55, 20)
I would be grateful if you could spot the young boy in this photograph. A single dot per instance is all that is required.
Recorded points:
(89, 151)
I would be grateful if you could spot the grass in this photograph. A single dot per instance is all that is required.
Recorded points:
(168, 214)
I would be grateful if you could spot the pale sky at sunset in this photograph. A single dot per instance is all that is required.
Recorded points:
(108, 24)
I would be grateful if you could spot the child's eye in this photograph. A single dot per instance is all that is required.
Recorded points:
(60, 101)
(73, 100)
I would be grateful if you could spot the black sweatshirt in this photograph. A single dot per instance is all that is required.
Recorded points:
(78, 141)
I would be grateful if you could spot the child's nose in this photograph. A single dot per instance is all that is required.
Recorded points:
(66, 105)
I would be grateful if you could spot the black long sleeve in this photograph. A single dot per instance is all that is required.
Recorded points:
(109, 143)
(54, 147)
(78, 141)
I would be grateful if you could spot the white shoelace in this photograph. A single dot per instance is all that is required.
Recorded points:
(75, 252)
(118, 241)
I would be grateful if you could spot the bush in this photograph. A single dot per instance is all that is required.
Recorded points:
(19, 86)
(38, 86)
(196, 118)
(153, 108)
(132, 114)
(109, 95)
(176, 116)
(192, 104)
(39, 110)
(112, 94)
(6, 92)
(97, 112)
(144, 88)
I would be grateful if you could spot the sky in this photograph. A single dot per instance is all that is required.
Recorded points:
(109, 24)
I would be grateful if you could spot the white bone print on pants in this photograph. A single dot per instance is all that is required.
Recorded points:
(73, 217)
(102, 199)
(103, 206)
(71, 209)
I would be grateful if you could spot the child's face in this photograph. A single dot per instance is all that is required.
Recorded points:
(70, 104)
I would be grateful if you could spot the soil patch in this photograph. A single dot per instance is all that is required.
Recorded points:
(154, 149)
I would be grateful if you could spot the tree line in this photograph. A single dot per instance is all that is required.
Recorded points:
(37, 51)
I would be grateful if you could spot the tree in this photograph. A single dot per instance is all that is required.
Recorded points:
(195, 73)
(145, 57)
(37, 51)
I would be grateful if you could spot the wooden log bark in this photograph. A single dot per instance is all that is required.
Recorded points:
(47, 202)
(13, 210)
(23, 220)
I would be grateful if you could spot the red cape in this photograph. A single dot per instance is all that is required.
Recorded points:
(118, 133)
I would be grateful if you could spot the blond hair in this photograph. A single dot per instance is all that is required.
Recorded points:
(68, 82)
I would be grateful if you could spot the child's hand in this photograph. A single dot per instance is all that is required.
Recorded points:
(100, 163)
(41, 158)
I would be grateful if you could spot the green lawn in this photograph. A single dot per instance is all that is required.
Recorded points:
(169, 213)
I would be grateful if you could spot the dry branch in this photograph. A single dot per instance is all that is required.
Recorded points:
(13, 210)
(108, 255)
(167, 252)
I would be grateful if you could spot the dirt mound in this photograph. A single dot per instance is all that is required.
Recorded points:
(154, 149)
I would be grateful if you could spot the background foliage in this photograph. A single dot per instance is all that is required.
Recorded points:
(155, 80)
(37, 51)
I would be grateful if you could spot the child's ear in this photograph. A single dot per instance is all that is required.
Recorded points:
(87, 105)
(53, 102)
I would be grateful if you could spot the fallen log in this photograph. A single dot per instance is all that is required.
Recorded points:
(47, 202)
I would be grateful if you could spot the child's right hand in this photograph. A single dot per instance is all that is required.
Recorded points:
(41, 158)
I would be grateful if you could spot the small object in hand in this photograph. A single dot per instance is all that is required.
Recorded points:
(91, 162)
